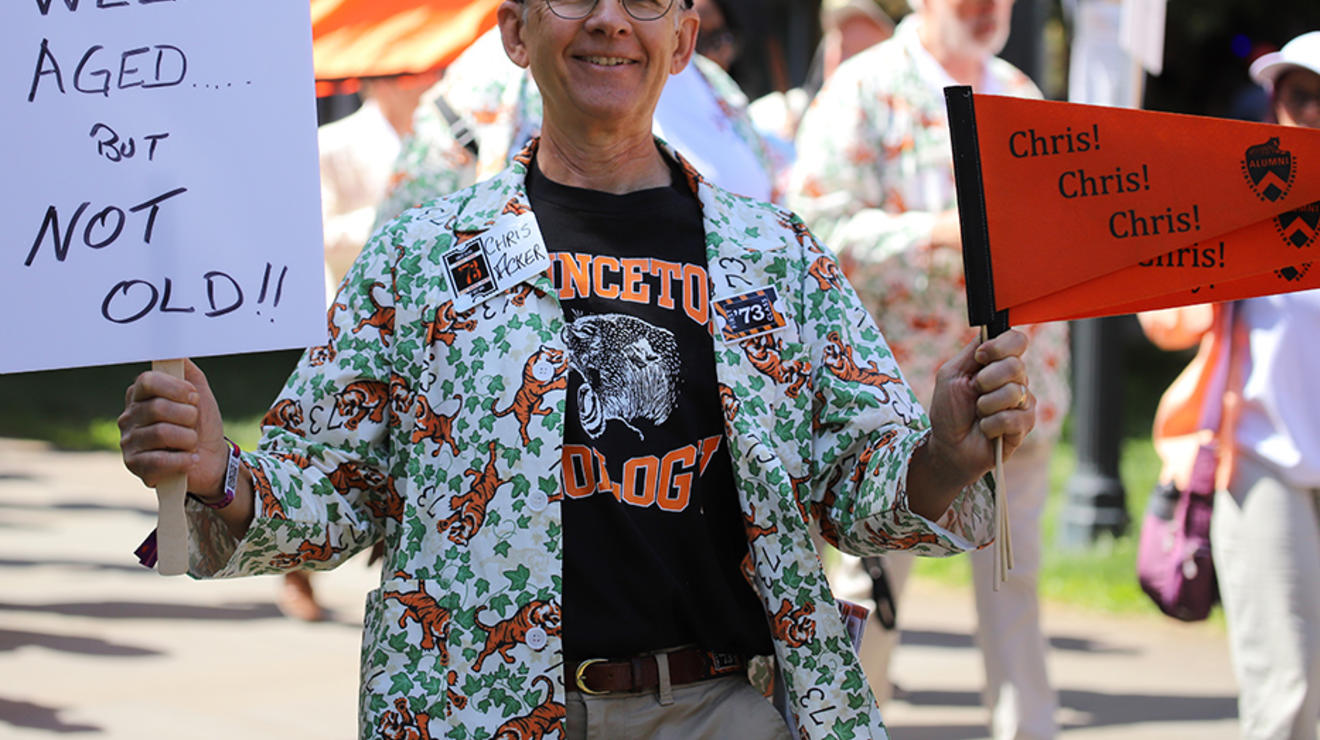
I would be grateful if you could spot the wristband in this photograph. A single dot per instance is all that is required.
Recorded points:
(231, 480)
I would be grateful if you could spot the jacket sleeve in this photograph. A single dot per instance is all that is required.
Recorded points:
(866, 424)
(323, 475)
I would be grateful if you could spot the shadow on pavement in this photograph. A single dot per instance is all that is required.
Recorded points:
(937, 732)
(1103, 709)
(1122, 709)
(92, 506)
(15, 639)
(146, 610)
(35, 716)
(77, 564)
(934, 638)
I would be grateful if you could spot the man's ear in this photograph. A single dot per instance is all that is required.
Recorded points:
(509, 16)
(688, 25)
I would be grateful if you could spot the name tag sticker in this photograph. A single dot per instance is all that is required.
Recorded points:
(760, 311)
(511, 252)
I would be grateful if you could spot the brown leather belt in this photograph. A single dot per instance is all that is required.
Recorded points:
(687, 665)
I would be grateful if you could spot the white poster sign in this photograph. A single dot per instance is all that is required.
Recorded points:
(160, 195)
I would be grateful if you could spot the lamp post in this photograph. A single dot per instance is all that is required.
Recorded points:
(1096, 502)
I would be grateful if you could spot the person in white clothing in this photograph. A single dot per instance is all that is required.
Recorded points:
(1265, 532)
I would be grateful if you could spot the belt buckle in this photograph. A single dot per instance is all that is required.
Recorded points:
(579, 677)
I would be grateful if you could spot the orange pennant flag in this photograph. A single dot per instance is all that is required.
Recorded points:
(1076, 210)
(1280, 247)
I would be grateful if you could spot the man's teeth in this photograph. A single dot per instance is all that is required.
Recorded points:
(606, 61)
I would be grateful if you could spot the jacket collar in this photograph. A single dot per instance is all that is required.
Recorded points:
(723, 223)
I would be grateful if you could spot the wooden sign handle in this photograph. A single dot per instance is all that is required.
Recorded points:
(171, 527)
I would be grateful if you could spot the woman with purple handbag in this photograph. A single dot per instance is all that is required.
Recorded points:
(1265, 528)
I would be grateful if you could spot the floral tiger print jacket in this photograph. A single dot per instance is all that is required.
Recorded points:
(393, 431)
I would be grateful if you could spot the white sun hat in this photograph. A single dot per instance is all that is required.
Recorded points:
(1302, 52)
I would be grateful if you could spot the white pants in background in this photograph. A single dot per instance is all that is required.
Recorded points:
(1266, 541)
(1017, 689)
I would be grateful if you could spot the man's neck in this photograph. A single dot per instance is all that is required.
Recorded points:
(605, 161)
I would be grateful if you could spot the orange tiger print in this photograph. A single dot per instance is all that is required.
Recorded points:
(287, 414)
(520, 298)
(799, 229)
(308, 552)
(436, 425)
(401, 399)
(401, 724)
(753, 529)
(839, 359)
(729, 402)
(300, 460)
(515, 208)
(504, 635)
(361, 400)
(470, 508)
(271, 508)
(904, 542)
(330, 320)
(455, 699)
(446, 325)
(794, 627)
(543, 372)
(545, 718)
(381, 318)
(524, 156)
(318, 356)
(827, 274)
(765, 354)
(391, 507)
(429, 615)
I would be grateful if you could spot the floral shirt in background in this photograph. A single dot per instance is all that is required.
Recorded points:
(874, 169)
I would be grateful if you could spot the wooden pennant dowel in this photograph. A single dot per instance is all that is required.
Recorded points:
(171, 528)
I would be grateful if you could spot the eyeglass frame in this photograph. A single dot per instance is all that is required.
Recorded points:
(687, 5)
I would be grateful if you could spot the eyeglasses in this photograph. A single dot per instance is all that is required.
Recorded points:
(642, 10)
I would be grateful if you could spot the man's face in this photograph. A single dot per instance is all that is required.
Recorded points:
(606, 67)
(1297, 98)
(970, 27)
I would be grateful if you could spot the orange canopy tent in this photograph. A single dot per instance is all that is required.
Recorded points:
(352, 39)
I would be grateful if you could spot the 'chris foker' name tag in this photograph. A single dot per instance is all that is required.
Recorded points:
(759, 311)
(496, 260)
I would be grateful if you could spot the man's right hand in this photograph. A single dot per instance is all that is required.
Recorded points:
(172, 426)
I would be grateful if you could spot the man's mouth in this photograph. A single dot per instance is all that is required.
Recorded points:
(606, 61)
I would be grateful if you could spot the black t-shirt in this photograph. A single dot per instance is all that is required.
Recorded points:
(653, 533)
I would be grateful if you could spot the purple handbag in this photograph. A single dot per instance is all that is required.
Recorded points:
(1174, 564)
(1173, 560)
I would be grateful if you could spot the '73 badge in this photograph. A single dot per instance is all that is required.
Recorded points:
(759, 311)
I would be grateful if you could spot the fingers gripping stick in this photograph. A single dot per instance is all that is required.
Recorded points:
(171, 528)
(1003, 541)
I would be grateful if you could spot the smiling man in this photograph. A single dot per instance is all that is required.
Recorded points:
(593, 478)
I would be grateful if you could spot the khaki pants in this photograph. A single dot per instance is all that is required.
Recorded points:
(715, 709)
(1266, 541)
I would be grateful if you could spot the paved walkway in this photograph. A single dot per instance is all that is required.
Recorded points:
(91, 644)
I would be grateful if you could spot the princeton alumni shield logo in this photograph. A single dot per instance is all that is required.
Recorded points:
(1300, 226)
(1269, 170)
